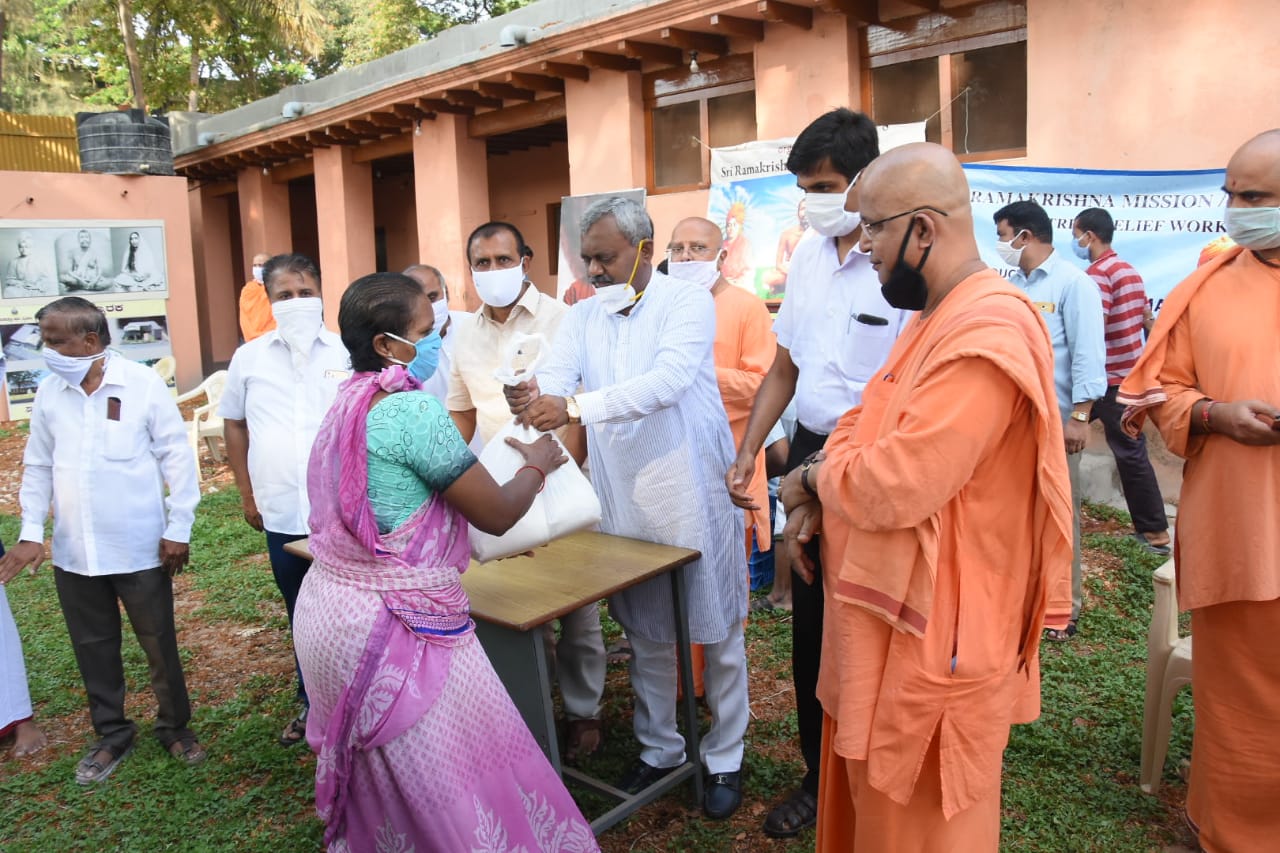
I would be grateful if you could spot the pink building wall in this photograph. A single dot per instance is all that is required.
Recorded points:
(77, 197)
(521, 185)
(395, 210)
(1148, 84)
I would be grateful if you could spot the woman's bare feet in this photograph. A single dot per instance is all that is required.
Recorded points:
(28, 739)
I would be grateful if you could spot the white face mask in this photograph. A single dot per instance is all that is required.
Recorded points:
(257, 273)
(826, 213)
(499, 288)
(299, 321)
(440, 308)
(702, 273)
(616, 297)
(72, 368)
(1008, 254)
(1256, 228)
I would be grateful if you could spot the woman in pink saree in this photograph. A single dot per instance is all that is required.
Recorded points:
(420, 747)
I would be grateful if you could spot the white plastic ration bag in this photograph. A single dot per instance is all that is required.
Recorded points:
(566, 504)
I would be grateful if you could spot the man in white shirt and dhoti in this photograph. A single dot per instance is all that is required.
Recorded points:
(659, 443)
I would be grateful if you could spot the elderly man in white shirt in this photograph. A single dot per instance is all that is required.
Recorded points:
(659, 443)
(834, 329)
(279, 388)
(513, 305)
(106, 439)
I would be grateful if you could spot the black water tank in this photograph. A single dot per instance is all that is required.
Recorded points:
(127, 142)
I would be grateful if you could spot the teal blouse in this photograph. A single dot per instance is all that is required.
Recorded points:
(415, 451)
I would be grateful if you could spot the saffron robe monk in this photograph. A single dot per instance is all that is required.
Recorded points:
(946, 518)
(1210, 379)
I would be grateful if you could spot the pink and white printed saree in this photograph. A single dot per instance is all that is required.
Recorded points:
(420, 747)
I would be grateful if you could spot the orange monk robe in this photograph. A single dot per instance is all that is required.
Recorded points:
(946, 550)
(1216, 339)
(256, 318)
(744, 350)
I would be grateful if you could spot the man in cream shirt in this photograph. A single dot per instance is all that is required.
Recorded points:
(499, 262)
(279, 388)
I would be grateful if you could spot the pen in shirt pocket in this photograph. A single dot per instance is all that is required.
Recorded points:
(866, 320)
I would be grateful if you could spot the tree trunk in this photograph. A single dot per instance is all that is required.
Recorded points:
(125, 10)
(193, 94)
(4, 31)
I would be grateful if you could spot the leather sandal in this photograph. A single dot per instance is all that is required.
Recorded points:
(188, 750)
(93, 769)
(584, 739)
(296, 732)
(792, 816)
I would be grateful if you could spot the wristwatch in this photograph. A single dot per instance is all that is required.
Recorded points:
(1082, 417)
(571, 408)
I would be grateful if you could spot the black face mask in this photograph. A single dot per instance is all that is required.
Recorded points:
(905, 288)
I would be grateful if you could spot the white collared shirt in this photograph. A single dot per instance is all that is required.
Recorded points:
(106, 478)
(283, 407)
(823, 323)
(478, 350)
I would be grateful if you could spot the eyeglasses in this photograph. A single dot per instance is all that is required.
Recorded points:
(871, 229)
(696, 250)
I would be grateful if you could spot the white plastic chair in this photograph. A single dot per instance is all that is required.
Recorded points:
(166, 367)
(1168, 671)
(205, 423)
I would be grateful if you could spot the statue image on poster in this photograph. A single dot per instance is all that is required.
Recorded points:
(49, 258)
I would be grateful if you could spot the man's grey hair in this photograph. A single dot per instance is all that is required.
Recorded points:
(633, 220)
(421, 268)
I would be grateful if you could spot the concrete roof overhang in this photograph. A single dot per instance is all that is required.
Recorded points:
(501, 90)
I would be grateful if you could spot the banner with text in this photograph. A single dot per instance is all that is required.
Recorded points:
(1163, 219)
(756, 203)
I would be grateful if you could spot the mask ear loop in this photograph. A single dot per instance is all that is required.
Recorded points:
(636, 266)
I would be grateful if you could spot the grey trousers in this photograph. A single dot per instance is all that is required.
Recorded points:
(578, 661)
(91, 607)
(1077, 580)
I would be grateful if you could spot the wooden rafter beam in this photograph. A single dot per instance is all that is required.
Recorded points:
(409, 112)
(566, 70)
(776, 12)
(467, 98)
(440, 105)
(704, 43)
(536, 82)
(735, 27)
(505, 91)
(363, 129)
(607, 61)
(520, 117)
(389, 119)
(318, 139)
(662, 54)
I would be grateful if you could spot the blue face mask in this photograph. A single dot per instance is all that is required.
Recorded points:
(426, 358)
(1082, 252)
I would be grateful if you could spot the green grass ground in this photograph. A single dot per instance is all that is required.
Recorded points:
(1070, 779)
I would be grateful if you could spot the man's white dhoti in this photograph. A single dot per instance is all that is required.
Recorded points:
(15, 699)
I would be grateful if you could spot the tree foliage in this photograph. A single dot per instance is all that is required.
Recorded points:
(59, 56)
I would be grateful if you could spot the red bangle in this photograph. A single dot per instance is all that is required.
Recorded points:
(541, 473)
(1204, 415)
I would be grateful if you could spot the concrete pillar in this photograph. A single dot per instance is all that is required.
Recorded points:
(801, 74)
(264, 217)
(344, 197)
(605, 118)
(215, 277)
(451, 184)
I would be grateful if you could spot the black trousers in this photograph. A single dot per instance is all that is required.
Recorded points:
(289, 571)
(91, 607)
(806, 633)
(1137, 478)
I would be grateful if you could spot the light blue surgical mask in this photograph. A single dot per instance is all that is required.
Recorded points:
(426, 355)
(1082, 252)
(1256, 228)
